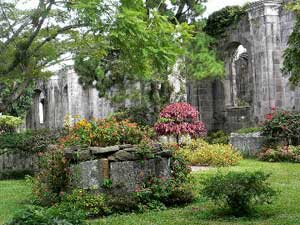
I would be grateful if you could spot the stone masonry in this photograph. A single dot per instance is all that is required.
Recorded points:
(121, 164)
(254, 82)
(252, 86)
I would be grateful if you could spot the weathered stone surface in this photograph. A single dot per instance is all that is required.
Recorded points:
(248, 144)
(125, 146)
(133, 149)
(18, 161)
(104, 150)
(122, 155)
(89, 174)
(127, 176)
(77, 154)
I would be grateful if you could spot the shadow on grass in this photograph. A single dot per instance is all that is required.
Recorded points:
(211, 213)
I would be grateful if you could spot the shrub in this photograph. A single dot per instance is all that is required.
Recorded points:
(30, 141)
(104, 132)
(56, 215)
(9, 124)
(219, 137)
(180, 119)
(249, 130)
(122, 204)
(282, 127)
(93, 204)
(239, 191)
(280, 154)
(199, 152)
(54, 178)
(158, 193)
(137, 114)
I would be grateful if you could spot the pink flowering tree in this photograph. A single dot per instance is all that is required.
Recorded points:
(180, 119)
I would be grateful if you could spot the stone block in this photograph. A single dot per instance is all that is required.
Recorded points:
(104, 150)
(123, 155)
(77, 155)
(248, 144)
(129, 175)
(89, 174)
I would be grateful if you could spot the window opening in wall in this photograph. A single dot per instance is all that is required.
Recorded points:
(42, 110)
(239, 77)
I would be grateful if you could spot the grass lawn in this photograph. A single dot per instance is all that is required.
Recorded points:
(13, 196)
(284, 211)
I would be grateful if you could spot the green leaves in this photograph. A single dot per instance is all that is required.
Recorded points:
(292, 53)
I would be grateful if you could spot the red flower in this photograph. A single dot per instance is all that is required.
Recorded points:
(269, 116)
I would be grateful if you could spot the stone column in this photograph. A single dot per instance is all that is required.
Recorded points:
(265, 31)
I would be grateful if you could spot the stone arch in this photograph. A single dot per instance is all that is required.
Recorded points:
(239, 74)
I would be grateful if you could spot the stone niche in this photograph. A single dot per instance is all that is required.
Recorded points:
(120, 165)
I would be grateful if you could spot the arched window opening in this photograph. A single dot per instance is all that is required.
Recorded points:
(41, 108)
(42, 111)
(240, 78)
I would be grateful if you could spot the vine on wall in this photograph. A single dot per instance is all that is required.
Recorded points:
(219, 21)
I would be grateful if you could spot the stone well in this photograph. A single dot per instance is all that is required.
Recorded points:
(119, 164)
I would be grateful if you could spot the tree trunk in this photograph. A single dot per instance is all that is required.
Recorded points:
(155, 98)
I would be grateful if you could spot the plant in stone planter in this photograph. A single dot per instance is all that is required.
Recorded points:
(180, 119)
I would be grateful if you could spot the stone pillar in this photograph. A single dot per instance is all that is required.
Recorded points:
(265, 31)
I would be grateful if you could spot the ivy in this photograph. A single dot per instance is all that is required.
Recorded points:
(219, 21)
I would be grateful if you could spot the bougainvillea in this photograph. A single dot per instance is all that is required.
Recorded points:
(180, 119)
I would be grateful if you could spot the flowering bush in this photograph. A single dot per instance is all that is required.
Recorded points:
(104, 132)
(180, 119)
(53, 179)
(199, 152)
(282, 127)
(281, 154)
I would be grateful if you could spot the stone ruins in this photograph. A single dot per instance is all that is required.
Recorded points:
(253, 53)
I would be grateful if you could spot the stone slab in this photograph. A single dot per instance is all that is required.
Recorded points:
(128, 175)
(248, 144)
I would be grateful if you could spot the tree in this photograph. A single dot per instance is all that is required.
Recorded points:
(180, 119)
(94, 31)
(160, 28)
(121, 45)
(292, 53)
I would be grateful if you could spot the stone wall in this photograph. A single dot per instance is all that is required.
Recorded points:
(120, 164)
(248, 144)
(255, 78)
(62, 96)
(18, 162)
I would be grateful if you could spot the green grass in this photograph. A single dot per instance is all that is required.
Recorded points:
(13, 197)
(284, 211)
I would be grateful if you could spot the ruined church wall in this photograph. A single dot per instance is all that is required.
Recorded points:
(63, 96)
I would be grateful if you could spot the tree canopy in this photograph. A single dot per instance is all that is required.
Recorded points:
(114, 44)
(291, 65)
